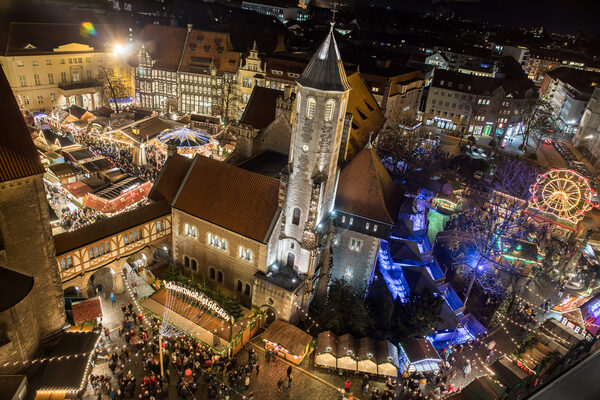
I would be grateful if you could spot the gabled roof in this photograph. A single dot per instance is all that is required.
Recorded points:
(170, 178)
(14, 287)
(18, 157)
(325, 70)
(420, 349)
(261, 108)
(230, 197)
(289, 336)
(366, 189)
(86, 310)
(164, 44)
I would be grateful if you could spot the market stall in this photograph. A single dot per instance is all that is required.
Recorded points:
(366, 356)
(346, 351)
(387, 358)
(419, 355)
(287, 341)
(326, 352)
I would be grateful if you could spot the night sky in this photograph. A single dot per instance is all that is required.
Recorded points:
(566, 16)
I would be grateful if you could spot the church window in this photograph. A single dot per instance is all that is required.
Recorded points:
(343, 219)
(342, 109)
(247, 290)
(212, 274)
(194, 265)
(329, 106)
(186, 261)
(355, 244)
(351, 220)
(239, 286)
(367, 226)
(375, 228)
(296, 216)
(220, 277)
(298, 103)
(311, 106)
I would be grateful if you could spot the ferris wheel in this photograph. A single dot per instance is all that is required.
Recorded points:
(563, 193)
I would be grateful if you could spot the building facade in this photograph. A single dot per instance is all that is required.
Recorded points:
(587, 138)
(45, 73)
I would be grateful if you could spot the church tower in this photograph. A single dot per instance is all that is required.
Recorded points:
(309, 181)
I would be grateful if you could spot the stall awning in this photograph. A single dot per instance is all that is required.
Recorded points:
(293, 339)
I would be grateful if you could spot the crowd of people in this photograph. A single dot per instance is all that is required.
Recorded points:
(71, 218)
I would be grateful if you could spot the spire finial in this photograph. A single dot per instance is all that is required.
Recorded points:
(333, 12)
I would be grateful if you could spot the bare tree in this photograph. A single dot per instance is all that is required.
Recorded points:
(487, 216)
(115, 87)
(230, 100)
(405, 150)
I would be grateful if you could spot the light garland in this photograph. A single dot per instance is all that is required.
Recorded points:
(200, 298)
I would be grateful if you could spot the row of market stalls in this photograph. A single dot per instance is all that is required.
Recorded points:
(364, 355)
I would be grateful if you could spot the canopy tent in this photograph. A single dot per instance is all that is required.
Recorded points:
(288, 341)
(366, 355)
(346, 348)
(387, 358)
(326, 353)
(419, 355)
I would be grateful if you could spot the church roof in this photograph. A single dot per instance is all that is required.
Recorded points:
(261, 108)
(366, 189)
(14, 286)
(325, 70)
(18, 157)
(170, 178)
(235, 199)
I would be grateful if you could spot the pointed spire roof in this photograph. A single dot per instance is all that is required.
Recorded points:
(366, 189)
(325, 70)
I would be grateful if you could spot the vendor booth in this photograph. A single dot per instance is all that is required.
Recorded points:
(387, 359)
(580, 314)
(326, 353)
(346, 351)
(366, 356)
(287, 341)
(419, 355)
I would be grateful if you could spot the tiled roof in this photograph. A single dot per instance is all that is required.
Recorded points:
(69, 241)
(86, 310)
(420, 349)
(366, 189)
(64, 169)
(204, 47)
(18, 157)
(77, 111)
(148, 128)
(261, 108)
(325, 70)
(480, 85)
(78, 189)
(367, 118)
(281, 68)
(170, 178)
(230, 197)
(14, 286)
(164, 44)
(288, 336)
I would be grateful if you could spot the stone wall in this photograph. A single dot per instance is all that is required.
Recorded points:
(354, 266)
(24, 222)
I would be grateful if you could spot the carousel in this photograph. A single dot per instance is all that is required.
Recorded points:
(191, 141)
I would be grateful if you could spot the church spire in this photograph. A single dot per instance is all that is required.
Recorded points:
(325, 70)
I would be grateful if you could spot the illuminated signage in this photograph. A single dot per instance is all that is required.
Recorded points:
(595, 309)
(200, 298)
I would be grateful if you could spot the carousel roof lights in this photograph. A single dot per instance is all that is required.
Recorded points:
(185, 137)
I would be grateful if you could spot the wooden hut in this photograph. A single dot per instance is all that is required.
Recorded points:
(366, 356)
(287, 341)
(346, 352)
(386, 356)
(326, 353)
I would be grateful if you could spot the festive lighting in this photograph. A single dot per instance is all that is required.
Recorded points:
(562, 193)
(200, 298)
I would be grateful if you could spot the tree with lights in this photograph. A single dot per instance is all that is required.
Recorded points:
(485, 217)
(403, 151)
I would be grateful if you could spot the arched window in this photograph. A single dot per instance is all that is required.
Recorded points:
(210, 239)
(220, 277)
(212, 274)
(247, 290)
(186, 229)
(298, 101)
(343, 109)
(224, 244)
(329, 107)
(290, 260)
(194, 265)
(296, 216)
(249, 255)
(186, 261)
(239, 286)
(311, 106)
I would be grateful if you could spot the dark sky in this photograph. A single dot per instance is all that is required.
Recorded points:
(566, 16)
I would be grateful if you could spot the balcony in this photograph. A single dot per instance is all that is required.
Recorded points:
(80, 85)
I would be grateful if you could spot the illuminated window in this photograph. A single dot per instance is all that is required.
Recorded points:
(329, 107)
(311, 105)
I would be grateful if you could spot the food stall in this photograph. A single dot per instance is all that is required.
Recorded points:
(326, 352)
(366, 355)
(287, 341)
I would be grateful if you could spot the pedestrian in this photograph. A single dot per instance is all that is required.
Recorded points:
(258, 367)
(112, 298)
(289, 381)
(280, 384)
(268, 355)
(289, 371)
(247, 381)
(107, 334)
(347, 385)
(135, 293)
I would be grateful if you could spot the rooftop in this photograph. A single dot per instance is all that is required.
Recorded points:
(213, 191)
(267, 163)
(261, 108)
(18, 157)
(170, 178)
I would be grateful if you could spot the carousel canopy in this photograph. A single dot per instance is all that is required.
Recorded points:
(185, 137)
